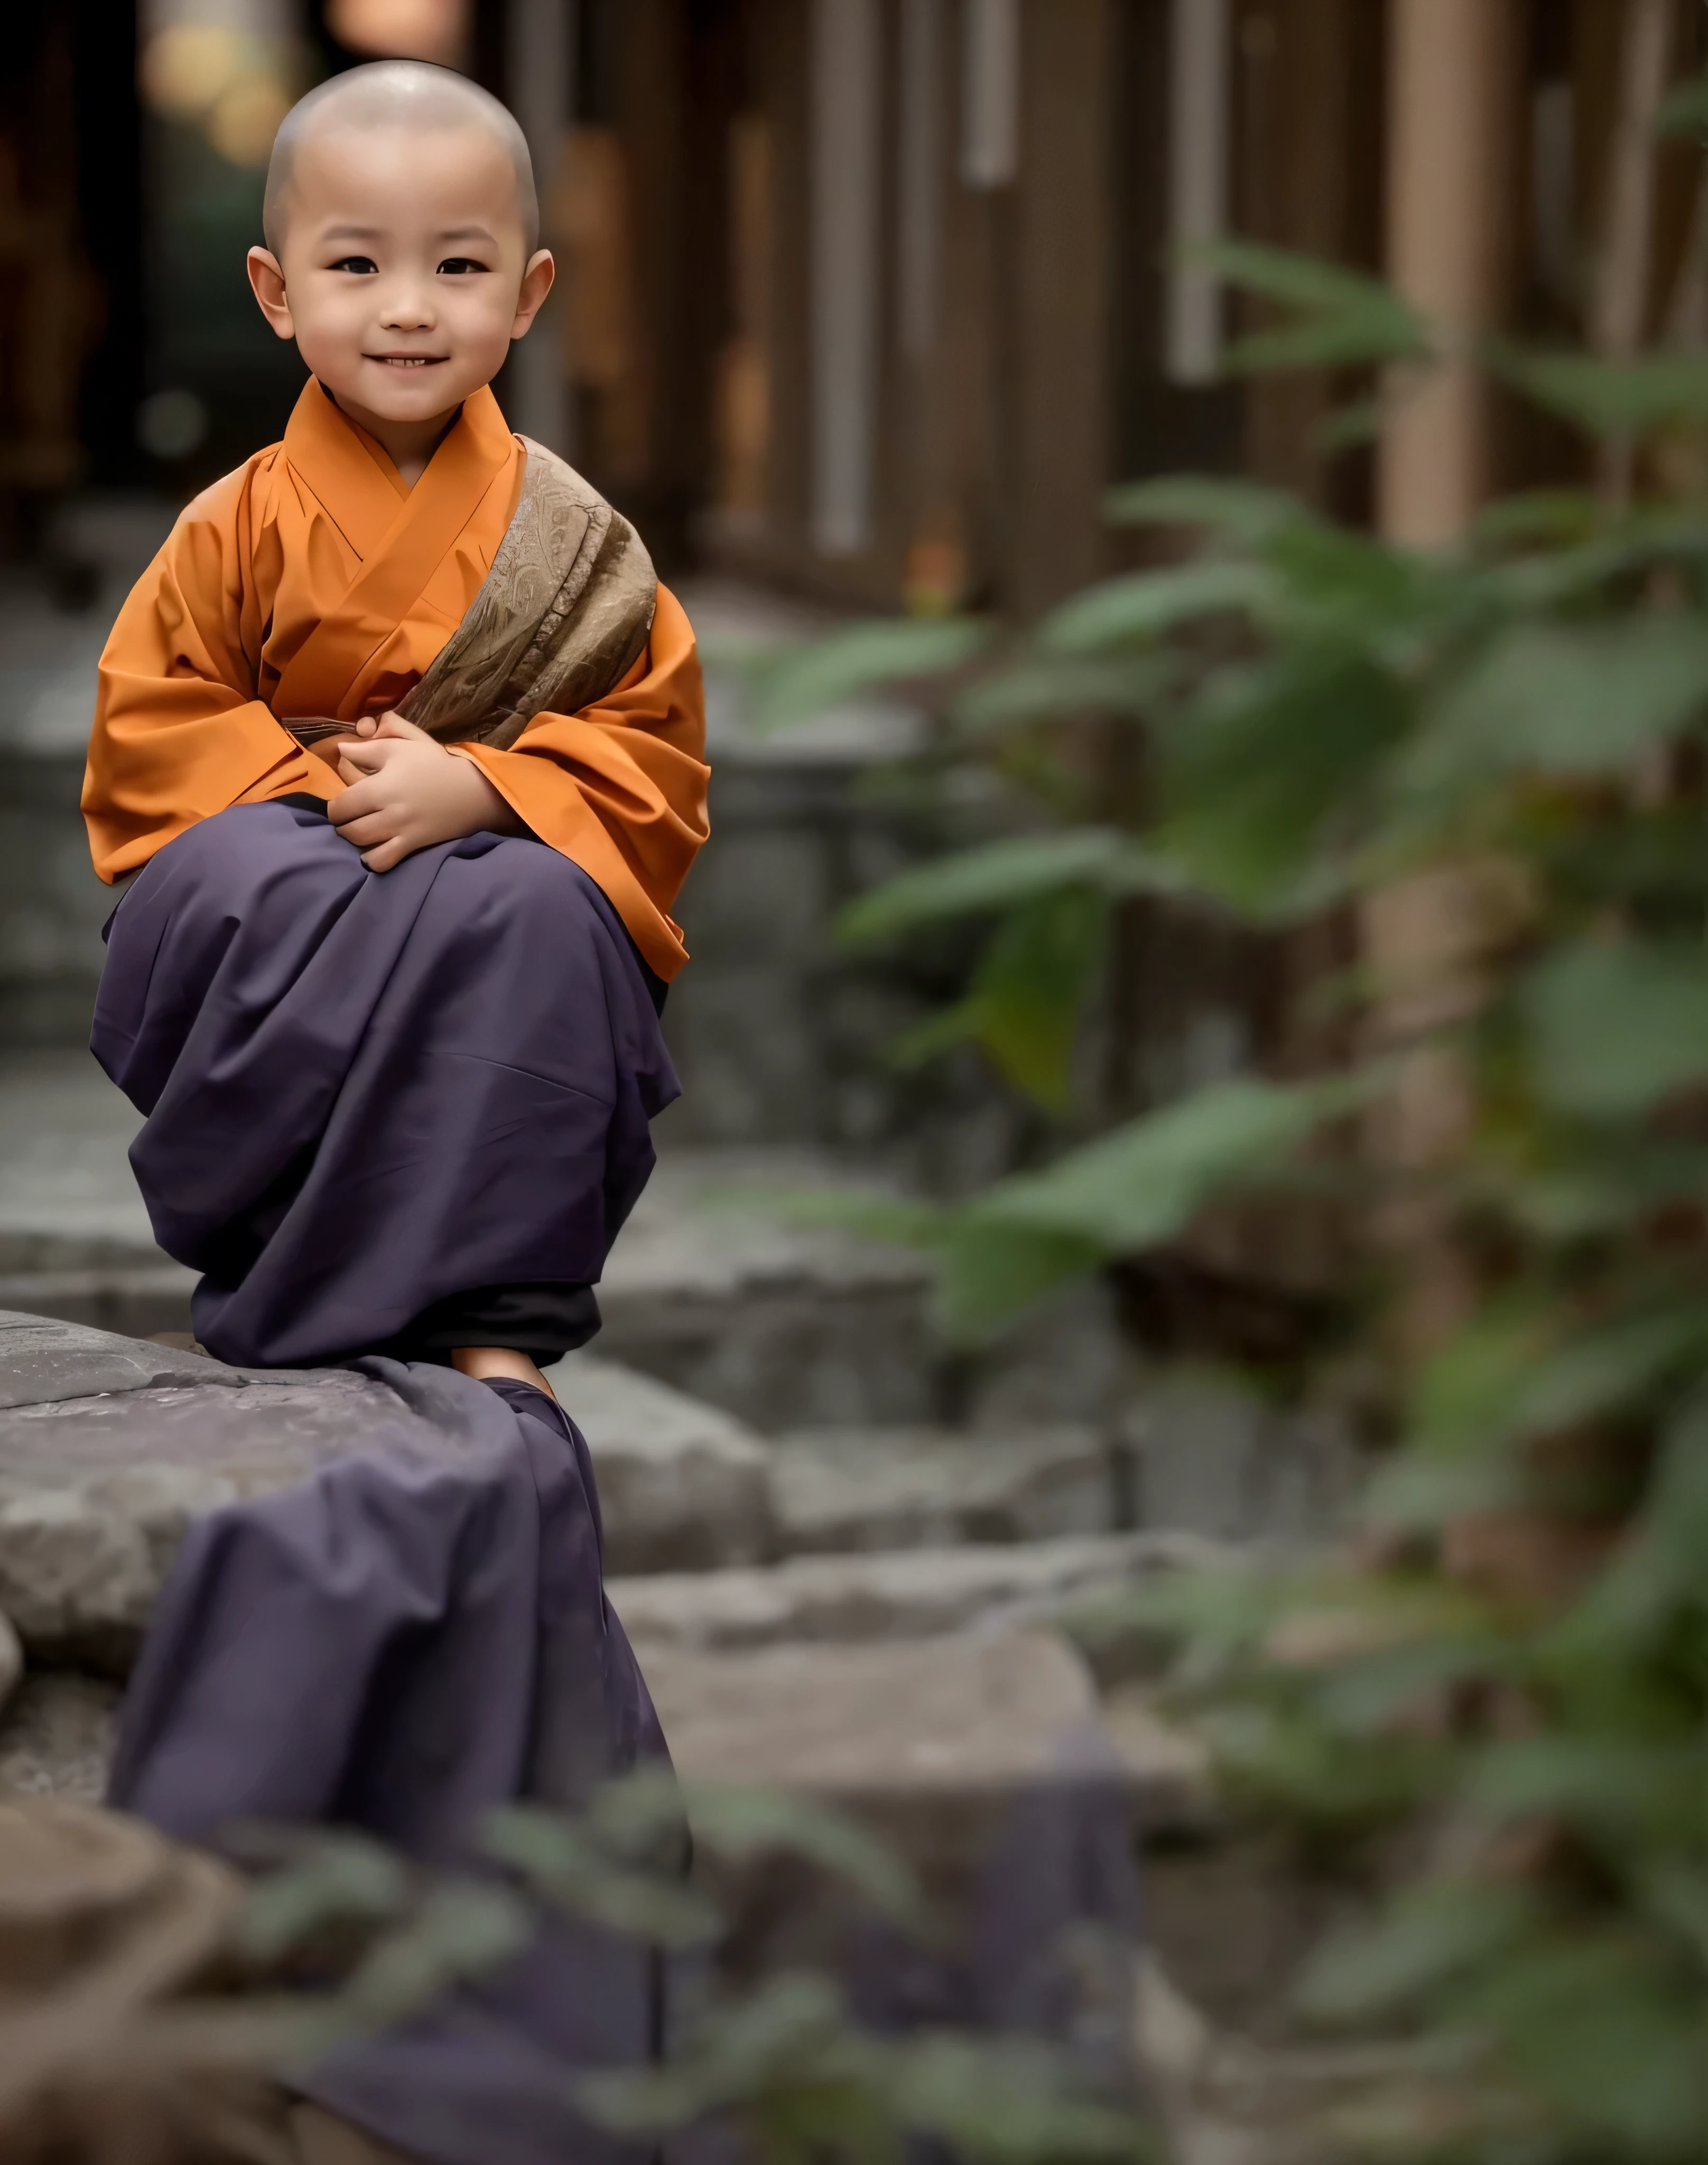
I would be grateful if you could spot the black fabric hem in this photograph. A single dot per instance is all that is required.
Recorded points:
(544, 1318)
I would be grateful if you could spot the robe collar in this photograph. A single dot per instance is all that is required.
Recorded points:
(354, 479)
(401, 536)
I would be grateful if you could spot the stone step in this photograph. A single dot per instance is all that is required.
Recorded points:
(780, 1325)
(835, 1490)
(789, 1326)
(109, 1446)
(907, 1594)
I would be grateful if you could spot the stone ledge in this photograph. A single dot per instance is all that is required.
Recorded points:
(917, 1593)
(682, 1485)
(839, 1490)
(110, 1446)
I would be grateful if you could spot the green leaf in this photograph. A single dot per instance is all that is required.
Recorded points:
(1231, 511)
(1348, 428)
(1141, 607)
(1611, 1786)
(1550, 517)
(1593, 2025)
(794, 683)
(1570, 700)
(1612, 398)
(1617, 1027)
(1598, 1371)
(1259, 780)
(1685, 111)
(996, 876)
(988, 1274)
(340, 1877)
(1010, 2099)
(1022, 1238)
(742, 1823)
(1348, 318)
(461, 1931)
(1657, 1573)
(1030, 990)
(1047, 689)
(561, 1860)
(1428, 1938)
(1148, 1180)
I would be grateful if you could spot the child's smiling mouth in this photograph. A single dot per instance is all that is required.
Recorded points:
(406, 360)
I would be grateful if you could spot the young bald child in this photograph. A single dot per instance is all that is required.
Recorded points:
(398, 749)
(403, 744)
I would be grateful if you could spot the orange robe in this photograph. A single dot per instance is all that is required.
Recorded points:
(313, 582)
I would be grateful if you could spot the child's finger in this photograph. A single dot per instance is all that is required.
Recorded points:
(369, 758)
(392, 725)
(368, 832)
(388, 854)
(355, 803)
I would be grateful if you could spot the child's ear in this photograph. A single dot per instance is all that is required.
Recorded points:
(536, 284)
(266, 279)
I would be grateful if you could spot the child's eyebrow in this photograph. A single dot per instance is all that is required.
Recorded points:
(466, 232)
(352, 233)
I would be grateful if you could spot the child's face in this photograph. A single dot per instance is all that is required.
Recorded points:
(404, 266)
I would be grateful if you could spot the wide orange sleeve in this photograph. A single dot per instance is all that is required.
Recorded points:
(179, 734)
(620, 787)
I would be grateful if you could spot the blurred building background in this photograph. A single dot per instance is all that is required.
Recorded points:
(863, 305)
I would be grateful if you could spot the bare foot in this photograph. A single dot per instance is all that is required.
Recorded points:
(482, 1361)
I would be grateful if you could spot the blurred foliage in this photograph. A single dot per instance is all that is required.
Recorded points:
(1500, 754)
(780, 2059)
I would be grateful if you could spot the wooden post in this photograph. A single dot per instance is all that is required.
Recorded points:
(1454, 80)
(1454, 83)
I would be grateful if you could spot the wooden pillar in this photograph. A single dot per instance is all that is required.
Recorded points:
(1456, 73)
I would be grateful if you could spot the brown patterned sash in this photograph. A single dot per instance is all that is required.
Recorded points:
(560, 619)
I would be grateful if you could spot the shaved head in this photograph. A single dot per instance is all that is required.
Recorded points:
(395, 94)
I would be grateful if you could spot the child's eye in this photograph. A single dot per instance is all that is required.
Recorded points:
(459, 266)
(362, 265)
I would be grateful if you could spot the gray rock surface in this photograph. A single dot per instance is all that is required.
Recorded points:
(11, 1662)
(787, 1326)
(1215, 1462)
(967, 1756)
(56, 1737)
(682, 1485)
(109, 1447)
(975, 1711)
(911, 1594)
(839, 1489)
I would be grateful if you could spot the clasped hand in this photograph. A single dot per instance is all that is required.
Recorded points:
(407, 791)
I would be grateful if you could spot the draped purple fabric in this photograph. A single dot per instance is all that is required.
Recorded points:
(366, 1093)
(365, 1096)
(401, 1645)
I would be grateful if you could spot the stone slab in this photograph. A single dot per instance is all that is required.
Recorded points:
(56, 1737)
(844, 1490)
(98, 1486)
(1215, 1462)
(110, 1446)
(683, 1485)
(980, 1762)
(44, 1361)
(914, 1594)
(972, 1712)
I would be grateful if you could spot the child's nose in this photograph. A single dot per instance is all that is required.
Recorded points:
(407, 305)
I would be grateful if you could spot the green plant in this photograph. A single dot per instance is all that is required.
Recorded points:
(1493, 764)
(779, 2059)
